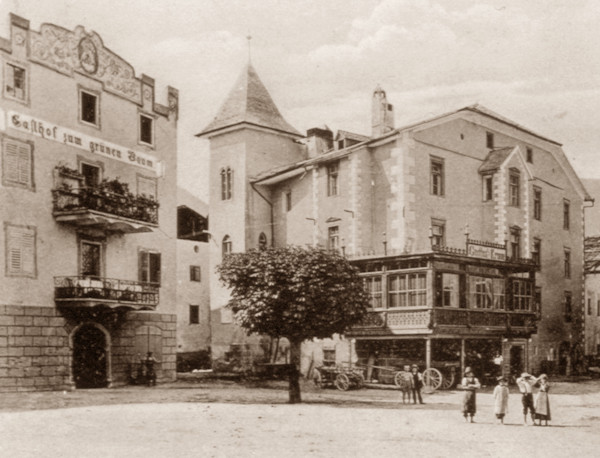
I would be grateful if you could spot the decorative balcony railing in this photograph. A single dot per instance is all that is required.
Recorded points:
(484, 318)
(109, 291)
(138, 208)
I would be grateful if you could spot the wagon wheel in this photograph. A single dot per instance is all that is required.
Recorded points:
(432, 378)
(342, 382)
(448, 381)
(400, 379)
(317, 379)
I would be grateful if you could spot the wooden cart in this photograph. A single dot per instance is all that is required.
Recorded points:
(342, 377)
(443, 376)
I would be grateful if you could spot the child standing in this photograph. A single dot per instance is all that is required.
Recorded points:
(470, 385)
(501, 399)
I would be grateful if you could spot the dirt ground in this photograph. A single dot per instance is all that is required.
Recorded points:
(222, 419)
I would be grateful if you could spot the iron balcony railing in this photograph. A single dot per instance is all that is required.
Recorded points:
(109, 290)
(137, 208)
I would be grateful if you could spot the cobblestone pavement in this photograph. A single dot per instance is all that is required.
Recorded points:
(230, 419)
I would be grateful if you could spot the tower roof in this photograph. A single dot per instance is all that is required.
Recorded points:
(249, 102)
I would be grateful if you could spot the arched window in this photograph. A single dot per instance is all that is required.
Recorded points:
(226, 183)
(226, 245)
(262, 241)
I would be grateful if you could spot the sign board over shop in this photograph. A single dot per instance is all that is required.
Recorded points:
(46, 130)
(477, 250)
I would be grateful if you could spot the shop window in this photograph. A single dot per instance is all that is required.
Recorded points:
(149, 266)
(407, 290)
(437, 176)
(20, 250)
(146, 130)
(488, 188)
(15, 85)
(195, 273)
(17, 163)
(486, 292)
(226, 183)
(194, 314)
(332, 178)
(373, 287)
(522, 295)
(89, 107)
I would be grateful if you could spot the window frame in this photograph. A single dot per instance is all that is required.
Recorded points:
(489, 140)
(566, 214)
(376, 296)
(536, 253)
(100, 243)
(226, 174)
(438, 223)
(333, 238)
(333, 178)
(263, 241)
(568, 306)
(529, 154)
(412, 296)
(96, 94)
(147, 267)
(8, 247)
(437, 182)
(29, 145)
(144, 115)
(537, 203)
(287, 196)
(195, 273)
(5, 90)
(515, 232)
(514, 188)
(567, 263)
(488, 188)
(194, 314)
(226, 246)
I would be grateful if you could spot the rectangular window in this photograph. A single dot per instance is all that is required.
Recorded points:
(438, 232)
(194, 314)
(486, 292)
(332, 179)
(407, 290)
(450, 290)
(566, 217)
(522, 295)
(149, 267)
(568, 306)
(88, 107)
(515, 243)
(146, 130)
(373, 287)
(328, 357)
(91, 175)
(333, 238)
(226, 183)
(16, 82)
(20, 250)
(567, 262)
(288, 201)
(537, 203)
(589, 306)
(536, 253)
(437, 176)
(514, 179)
(598, 307)
(90, 263)
(489, 140)
(17, 163)
(195, 273)
(488, 188)
(529, 155)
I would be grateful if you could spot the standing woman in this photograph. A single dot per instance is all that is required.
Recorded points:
(542, 401)
(470, 385)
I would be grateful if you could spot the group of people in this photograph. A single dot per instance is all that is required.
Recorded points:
(412, 383)
(538, 407)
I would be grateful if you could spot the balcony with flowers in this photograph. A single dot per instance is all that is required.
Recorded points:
(108, 206)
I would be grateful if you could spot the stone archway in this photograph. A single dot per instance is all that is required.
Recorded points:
(90, 360)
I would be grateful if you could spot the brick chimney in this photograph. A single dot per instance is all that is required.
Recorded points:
(318, 140)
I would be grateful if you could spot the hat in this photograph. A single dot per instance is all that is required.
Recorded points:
(468, 370)
(414, 366)
(501, 378)
(525, 375)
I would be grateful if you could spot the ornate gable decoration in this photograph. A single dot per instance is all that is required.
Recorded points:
(67, 51)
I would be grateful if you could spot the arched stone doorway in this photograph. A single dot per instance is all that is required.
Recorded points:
(91, 356)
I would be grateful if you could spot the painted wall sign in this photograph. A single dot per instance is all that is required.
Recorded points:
(49, 131)
(486, 252)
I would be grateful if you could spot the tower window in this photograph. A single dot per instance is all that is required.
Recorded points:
(226, 183)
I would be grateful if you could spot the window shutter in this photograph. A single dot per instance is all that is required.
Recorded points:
(21, 250)
(17, 162)
(154, 267)
(142, 258)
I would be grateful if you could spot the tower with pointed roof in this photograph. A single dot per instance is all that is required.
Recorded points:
(247, 136)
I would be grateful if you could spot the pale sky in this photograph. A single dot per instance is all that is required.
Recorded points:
(536, 62)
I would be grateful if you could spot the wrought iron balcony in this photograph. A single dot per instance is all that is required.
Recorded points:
(81, 291)
(95, 206)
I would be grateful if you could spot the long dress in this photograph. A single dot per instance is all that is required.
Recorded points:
(500, 400)
(469, 404)
(542, 403)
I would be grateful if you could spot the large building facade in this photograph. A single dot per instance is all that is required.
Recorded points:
(467, 228)
(88, 238)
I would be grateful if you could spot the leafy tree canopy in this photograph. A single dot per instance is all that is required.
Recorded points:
(294, 292)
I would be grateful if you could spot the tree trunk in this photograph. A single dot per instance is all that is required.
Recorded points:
(294, 388)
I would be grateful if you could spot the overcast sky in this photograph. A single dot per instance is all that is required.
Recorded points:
(536, 62)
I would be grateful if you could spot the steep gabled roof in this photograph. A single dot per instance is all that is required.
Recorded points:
(495, 159)
(249, 102)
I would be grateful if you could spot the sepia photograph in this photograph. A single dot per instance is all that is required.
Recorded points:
(299, 228)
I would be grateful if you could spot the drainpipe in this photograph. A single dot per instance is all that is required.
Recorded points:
(271, 208)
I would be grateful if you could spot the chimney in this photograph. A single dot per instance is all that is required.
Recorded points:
(382, 117)
(318, 140)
